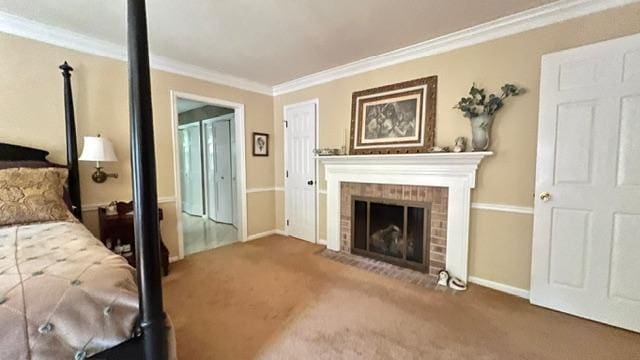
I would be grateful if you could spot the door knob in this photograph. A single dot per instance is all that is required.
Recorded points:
(310, 182)
(545, 196)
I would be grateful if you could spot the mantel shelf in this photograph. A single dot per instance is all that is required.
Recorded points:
(419, 157)
(462, 158)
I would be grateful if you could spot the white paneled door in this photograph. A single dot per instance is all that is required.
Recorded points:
(191, 169)
(210, 168)
(300, 171)
(223, 179)
(586, 238)
(218, 150)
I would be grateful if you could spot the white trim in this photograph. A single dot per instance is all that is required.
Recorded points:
(95, 206)
(315, 102)
(265, 234)
(173, 259)
(19, 26)
(196, 72)
(523, 293)
(503, 207)
(263, 189)
(317, 166)
(241, 172)
(509, 25)
(322, 242)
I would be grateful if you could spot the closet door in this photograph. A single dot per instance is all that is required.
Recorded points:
(223, 175)
(210, 176)
(191, 168)
(300, 174)
(184, 166)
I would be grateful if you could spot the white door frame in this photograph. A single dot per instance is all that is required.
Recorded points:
(316, 102)
(240, 163)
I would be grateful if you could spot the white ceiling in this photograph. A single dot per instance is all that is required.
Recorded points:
(271, 41)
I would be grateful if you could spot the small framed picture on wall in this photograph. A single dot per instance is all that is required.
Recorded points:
(260, 144)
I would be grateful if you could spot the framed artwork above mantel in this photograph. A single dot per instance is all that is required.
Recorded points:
(394, 119)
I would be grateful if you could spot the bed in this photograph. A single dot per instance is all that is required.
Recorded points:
(63, 295)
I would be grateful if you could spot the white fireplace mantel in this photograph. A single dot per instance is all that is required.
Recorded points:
(456, 171)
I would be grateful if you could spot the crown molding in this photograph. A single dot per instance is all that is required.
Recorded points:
(509, 25)
(19, 26)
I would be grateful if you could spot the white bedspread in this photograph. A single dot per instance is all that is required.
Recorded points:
(63, 295)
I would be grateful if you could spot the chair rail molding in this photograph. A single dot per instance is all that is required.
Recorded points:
(455, 171)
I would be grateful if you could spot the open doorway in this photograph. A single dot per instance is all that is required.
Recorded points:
(208, 173)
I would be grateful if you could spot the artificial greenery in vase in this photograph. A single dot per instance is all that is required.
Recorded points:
(481, 109)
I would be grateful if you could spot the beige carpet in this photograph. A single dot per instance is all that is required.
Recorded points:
(275, 299)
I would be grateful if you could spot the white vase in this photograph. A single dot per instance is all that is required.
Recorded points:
(480, 132)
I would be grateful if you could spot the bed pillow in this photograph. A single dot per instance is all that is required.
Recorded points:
(36, 164)
(30, 195)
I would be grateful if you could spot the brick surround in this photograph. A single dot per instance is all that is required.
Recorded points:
(437, 196)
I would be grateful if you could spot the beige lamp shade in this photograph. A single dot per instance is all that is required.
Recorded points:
(97, 148)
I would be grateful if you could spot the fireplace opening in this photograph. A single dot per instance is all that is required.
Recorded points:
(393, 231)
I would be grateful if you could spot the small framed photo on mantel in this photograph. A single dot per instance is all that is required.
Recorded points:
(394, 119)
(260, 144)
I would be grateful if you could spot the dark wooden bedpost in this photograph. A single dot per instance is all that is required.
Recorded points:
(72, 143)
(152, 316)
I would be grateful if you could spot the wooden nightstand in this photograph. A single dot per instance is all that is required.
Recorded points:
(118, 230)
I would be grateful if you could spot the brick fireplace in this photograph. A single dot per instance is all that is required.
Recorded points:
(443, 181)
(414, 237)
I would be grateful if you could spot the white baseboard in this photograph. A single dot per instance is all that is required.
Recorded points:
(500, 287)
(322, 241)
(173, 259)
(265, 234)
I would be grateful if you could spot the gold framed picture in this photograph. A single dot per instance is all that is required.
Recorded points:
(394, 119)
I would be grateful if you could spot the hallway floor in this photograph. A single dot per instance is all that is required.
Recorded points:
(204, 234)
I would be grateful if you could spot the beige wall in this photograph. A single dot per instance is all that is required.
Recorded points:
(500, 248)
(32, 114)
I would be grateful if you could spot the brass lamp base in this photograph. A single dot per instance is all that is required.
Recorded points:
(100, 176)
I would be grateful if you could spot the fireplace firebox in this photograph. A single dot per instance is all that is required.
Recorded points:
(393, 231)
